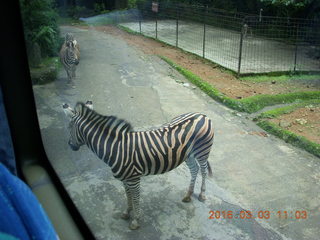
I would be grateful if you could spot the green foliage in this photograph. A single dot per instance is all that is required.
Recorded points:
(75, 11)
(128, 30)
(132, 3)
(287, 109)
(250, 104)
(280, 78)
(99, 7)
(289, 8)
(291, 138)
(286, 135)
(46, 72)
(258, 102)
(206, 87)
(292, 3)
(40, 26)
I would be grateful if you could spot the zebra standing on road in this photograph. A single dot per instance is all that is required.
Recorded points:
(70, 56)
(132, 154)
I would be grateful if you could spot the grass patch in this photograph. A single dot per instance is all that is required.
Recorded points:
(258, 102)
(291, 138)
(206, 87)
(128, 30)
(280, 78)
(287, 136)
(46, 72)
(250, 104)
(287, 109)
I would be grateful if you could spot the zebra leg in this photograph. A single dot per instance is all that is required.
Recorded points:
(194, 168)
(134, 188)
(73, 72)
(204, 168)
(126, 214)
(69, 75)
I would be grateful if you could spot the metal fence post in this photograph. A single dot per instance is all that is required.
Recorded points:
(240, 50)
(296, 50)
(177, 27)
(156, 26)
(204, 33)
(140, 25)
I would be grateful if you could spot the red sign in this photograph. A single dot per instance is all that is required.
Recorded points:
(155, 6)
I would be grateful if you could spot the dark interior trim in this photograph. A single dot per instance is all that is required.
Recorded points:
(20, 106)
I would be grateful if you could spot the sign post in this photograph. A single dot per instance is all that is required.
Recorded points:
(155, 7)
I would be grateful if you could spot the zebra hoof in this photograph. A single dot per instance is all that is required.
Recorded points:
(134, 225)
(186, 199)
(202, 197)
(125, 216)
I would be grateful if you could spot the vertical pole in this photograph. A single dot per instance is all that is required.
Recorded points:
(177, 27)
(295, 58)
(204, 40)
(296, 51)
(156, 26)
(140, 26)
(204, 35)
(240, 50)
(260, 14)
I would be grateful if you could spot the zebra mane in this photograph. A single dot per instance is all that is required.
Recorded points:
(81, 107)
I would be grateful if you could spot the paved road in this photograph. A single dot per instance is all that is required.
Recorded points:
(251, 172)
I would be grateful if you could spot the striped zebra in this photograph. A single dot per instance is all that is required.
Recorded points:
(70, 56)
(133, 154)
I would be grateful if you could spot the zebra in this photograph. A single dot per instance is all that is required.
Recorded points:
(70, 56)
(133, 154)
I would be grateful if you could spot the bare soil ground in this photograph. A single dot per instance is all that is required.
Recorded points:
(302, 121)
(229, 84)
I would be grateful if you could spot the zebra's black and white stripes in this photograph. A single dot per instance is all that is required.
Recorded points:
(70, 56)
(132, 154)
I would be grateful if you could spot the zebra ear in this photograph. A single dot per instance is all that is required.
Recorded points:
(68, 110)
(89, 104)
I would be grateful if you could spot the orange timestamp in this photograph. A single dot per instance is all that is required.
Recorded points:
(262, 214)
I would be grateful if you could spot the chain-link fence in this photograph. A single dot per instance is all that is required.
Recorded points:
(242, 43)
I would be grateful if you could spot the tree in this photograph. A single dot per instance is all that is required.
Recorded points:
(288, 8)
(40, 27)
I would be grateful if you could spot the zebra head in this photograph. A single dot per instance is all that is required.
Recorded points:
(75, 115)
(69, 37)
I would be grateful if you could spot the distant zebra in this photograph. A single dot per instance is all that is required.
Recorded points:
(133, 154)
(70, 56)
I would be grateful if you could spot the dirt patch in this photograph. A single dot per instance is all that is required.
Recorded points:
(228, 83)
(303, 121)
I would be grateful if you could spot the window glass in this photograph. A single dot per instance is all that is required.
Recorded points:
(122, 56)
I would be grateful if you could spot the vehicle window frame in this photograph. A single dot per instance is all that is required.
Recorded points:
(19, 103)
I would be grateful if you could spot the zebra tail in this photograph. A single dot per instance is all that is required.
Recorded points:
(209, 170)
